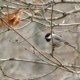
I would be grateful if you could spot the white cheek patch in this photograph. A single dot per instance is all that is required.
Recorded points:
(49, 37)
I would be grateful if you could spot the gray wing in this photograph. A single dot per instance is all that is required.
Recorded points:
(59, 38)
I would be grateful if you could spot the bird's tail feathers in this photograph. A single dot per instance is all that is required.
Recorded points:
(72, 46)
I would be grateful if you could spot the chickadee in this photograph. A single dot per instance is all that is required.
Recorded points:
(58, 41)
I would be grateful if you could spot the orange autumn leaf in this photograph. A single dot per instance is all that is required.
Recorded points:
(35, 10)
(12, 19)
(38, 1)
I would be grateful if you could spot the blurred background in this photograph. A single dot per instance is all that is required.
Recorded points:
(24, 53)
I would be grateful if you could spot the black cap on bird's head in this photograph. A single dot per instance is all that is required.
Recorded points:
(47, 37)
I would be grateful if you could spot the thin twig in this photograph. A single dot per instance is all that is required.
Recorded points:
(7, 75)
(44, 74)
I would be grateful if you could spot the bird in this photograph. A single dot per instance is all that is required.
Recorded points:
(57, 41)
(13, 18)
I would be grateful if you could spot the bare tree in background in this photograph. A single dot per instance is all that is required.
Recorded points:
(24, 52)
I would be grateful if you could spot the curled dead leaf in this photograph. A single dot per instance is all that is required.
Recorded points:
(12, 19)
(34, 9)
